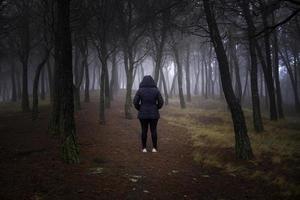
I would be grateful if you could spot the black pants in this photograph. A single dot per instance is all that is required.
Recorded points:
(144, 124)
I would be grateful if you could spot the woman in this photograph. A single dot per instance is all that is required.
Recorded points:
(148, 101)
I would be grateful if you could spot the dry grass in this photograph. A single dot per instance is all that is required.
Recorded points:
(276, 149)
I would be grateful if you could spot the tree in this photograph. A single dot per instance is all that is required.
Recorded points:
(276, 70)
(242, 143)
(257, 120)
(102, 35)
(63, 122)
(187, 74)
(175, 49)
(132, 25)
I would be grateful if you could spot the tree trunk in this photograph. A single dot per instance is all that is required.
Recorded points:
(24, 55)
(76, 87)
(43, 92)
(35, 100)
(13, 82)
(267, 69)
(25, 98)
(276, 72)
(50, 81)
(206, 78)
(202, 77)
(164, 86)
(160, 43)
(235, 61)
(107, 95)
(172, 90)
(102, 94)
(18, 80)
(94, 78)
(87, 82)
(187, 74)
(196, 88)
(242, 142)
(179, 79)
(114, 77)
(257, 120)
(64, 84)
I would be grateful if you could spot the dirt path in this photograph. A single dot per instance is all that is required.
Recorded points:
(112, 164)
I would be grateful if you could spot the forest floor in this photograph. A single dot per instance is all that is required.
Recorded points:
(113, 167)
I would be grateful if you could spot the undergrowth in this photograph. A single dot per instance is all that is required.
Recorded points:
(276, 149)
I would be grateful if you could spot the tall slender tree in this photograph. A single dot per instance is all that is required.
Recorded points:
(242, 143)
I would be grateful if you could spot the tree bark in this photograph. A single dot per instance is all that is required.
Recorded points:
(13, 82)
(257, 120)
(50, 81)
(25, 98)
(267, 69)
(63, 108)
(235, 61)
(242, 143)
(107, 90)
(179, 72)
(24, 57)
(276, 71)
(129, 66)
(164, 86)
(43, 92)
(35, 100)
(87, 79)
(187, 75)
(114, 77)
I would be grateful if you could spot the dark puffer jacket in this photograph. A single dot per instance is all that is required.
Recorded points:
(148, 99)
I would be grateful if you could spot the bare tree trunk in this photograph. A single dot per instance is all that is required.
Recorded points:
(165, 87)
(196, 88)
(206, 78)
(267, 69)
(129, 82)
(13, 82)
(242, 143)
(87, 79)
(63, 108)
(102, 94)
(107, 95)
(35, 100)
(24, 55)
(19, 85)
(94, 78)
(238, 86)
(276, 72)
(257, 120)
(77, 84)
(187, 75)
(114, 77)
(160, 43)
(179, 71)
(25, 98)
(202, 77)
(43, 92)
(50, 81)
(172, 90)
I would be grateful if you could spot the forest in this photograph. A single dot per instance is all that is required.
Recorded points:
(228, 72)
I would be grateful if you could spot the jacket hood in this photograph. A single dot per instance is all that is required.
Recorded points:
(147, 82)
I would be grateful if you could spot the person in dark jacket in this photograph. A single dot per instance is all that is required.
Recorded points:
(148, 101)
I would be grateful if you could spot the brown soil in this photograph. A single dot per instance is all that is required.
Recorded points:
(112, 164)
